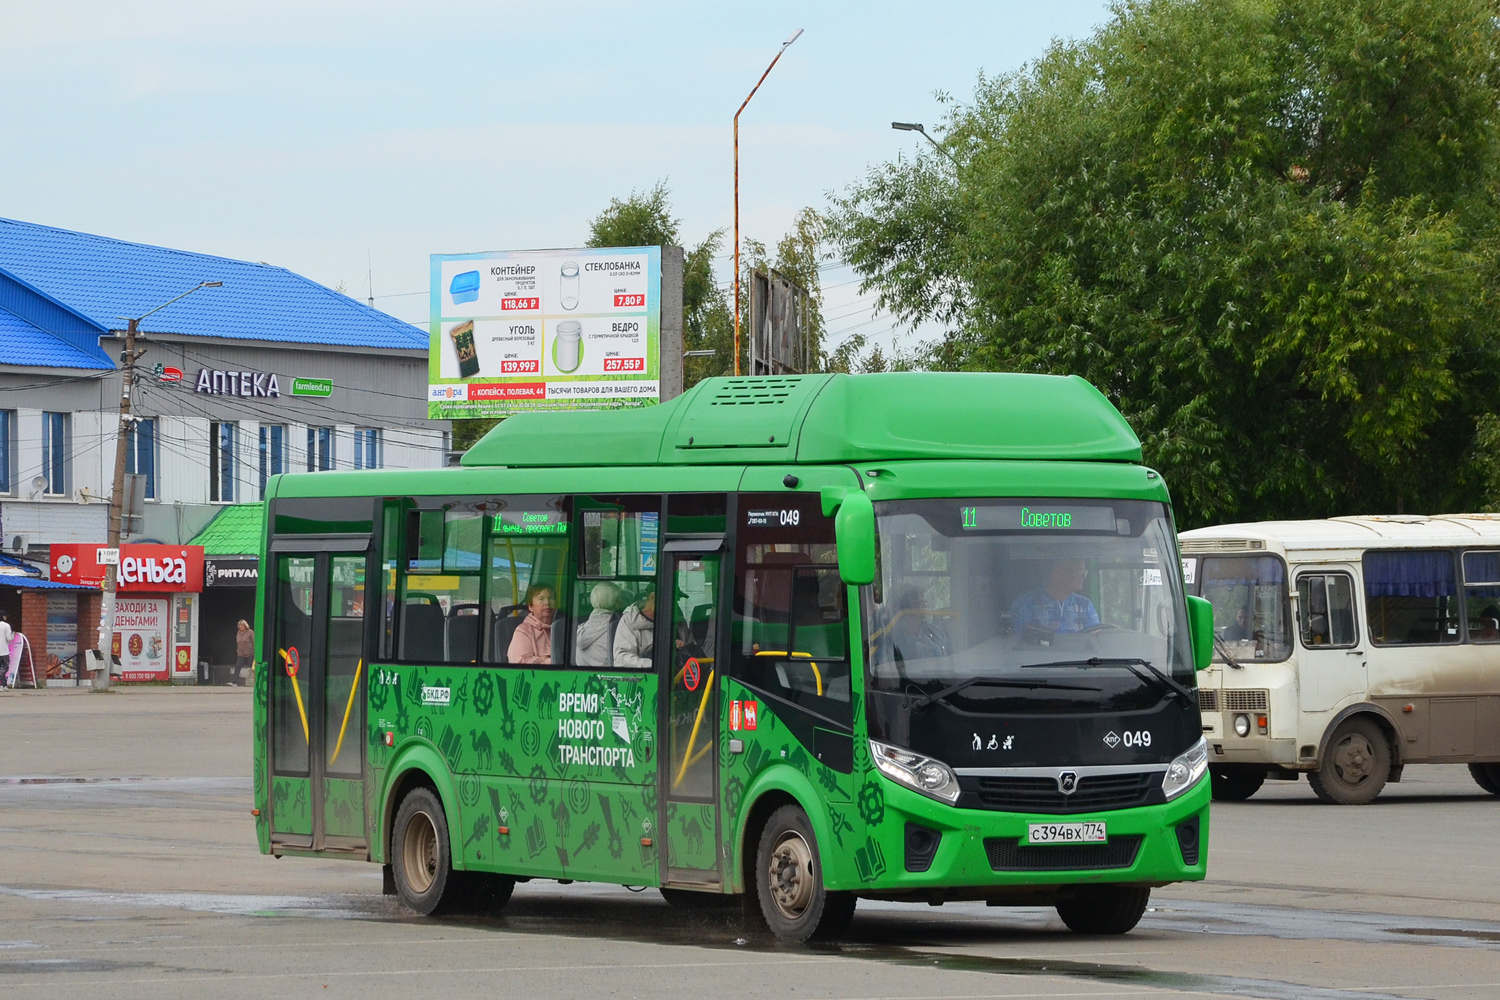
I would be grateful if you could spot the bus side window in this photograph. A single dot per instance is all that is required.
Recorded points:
(1411, 596)
(440, 587)
(1482, 595)
(612, 571)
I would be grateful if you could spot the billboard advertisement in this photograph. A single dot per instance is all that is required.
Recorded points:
(143, 567)
(515, 331)
(140, 638)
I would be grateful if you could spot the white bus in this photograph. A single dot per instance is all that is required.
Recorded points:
(1349, 648)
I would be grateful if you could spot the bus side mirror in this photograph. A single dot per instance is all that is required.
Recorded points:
(854, 532)
(1201, 629)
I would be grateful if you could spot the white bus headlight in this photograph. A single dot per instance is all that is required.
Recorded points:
(1242, 725)
(928, 776)
(1186, 770)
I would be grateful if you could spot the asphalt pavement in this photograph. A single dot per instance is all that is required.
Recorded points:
(129, 869)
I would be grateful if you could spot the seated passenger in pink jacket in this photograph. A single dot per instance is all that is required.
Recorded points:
(532, 642)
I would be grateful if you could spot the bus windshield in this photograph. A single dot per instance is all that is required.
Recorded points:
(1063, 601)
(1249, 596)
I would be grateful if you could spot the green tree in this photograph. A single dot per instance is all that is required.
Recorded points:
(1264, 228)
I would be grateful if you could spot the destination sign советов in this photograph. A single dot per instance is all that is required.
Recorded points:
(1044, 517)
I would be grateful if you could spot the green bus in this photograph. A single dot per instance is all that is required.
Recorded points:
(796, 640)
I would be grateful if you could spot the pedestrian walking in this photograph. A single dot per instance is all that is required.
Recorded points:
(244, 654)
(6, 634)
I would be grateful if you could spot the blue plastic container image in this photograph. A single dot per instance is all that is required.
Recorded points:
(464, 287)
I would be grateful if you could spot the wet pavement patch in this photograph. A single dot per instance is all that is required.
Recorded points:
(32, 966)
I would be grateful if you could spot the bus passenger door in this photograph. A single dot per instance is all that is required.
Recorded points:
(317, 713)
(687, 659)
(1331, 662)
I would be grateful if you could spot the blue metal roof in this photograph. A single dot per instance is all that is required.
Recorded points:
(102, 279)
(11, 562)
(32, 583)
(21, 343)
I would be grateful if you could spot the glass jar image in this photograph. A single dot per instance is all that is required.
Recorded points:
(567, 345)
(568, 285)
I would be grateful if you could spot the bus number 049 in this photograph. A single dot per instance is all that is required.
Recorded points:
(793, 516)
(1141, 738)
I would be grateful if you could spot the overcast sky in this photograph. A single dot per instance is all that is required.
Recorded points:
(338, 138)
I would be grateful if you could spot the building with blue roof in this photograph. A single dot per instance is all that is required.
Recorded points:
(270, 372)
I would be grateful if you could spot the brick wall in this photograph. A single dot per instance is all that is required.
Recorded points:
(34, 624)
(90, 607)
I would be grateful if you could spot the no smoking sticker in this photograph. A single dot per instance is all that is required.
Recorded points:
(692, 674)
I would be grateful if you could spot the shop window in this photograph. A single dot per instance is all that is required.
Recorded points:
(367, 447)
(791, 620)
(223, 439)
(1411, 598)
(320, 454)
(140, 454)
(272, 453)
(55, 453)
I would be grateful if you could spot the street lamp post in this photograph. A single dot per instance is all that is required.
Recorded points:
(128, 359)
(790, 39)
(918, 127)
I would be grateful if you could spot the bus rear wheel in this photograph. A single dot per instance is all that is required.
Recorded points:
(1232, 783)
(789, 881)
(1355, 765)
(421, 857)
(1104, 909)
(1486, 776)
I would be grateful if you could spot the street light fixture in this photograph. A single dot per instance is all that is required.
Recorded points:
(918, 127)
(790, 39)
(128, 358)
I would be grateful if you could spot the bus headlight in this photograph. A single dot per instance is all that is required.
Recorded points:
(1242, 725)
(1186, 770)
(928, 776)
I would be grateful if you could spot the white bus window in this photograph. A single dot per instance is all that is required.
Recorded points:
(1326, 610)
(1411, 598)
(1249, 596)
(1482, 595)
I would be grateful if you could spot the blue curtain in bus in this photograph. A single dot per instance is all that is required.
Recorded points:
(1240, 571)
(1409, 574)
(1482, 567)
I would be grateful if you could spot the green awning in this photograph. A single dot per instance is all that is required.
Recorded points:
(235, 531)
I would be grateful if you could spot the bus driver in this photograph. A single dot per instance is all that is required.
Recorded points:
(1058, 605)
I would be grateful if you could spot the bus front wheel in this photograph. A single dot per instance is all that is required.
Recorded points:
(1234, 783)
(1355, 765)
(1104, 909)
(789, 881)
(421, 857)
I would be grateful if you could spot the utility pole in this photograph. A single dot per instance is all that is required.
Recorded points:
(116, 510)
(128, 358)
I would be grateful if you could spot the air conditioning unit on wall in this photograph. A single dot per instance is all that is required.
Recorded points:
(18, 544)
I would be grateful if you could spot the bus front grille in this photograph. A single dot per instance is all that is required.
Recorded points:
(1246, 701)
(1040, 794)
(1008, 854)
(1208, 700)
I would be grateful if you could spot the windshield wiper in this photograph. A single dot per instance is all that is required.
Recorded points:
(952, 689)
(1223, 648)
(1144, 669)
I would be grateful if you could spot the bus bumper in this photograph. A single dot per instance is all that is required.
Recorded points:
(982, 854)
